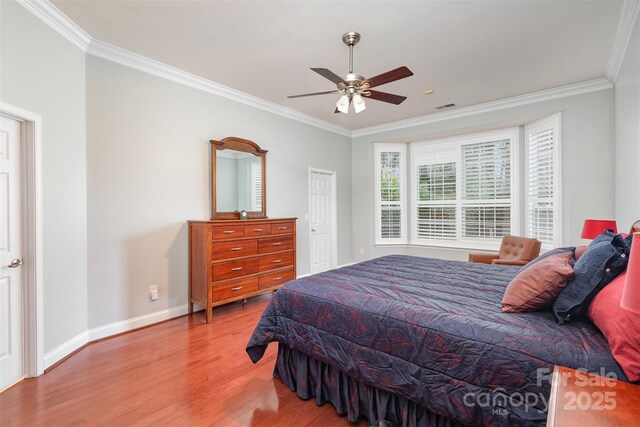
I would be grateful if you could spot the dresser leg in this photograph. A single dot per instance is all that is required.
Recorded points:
(190, 308)
(208, 314)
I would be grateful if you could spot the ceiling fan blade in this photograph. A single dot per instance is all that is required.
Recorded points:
(389, 76)
(328, 74)
(385, 97)
(313, 94)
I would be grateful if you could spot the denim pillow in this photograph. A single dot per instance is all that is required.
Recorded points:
(605, 258)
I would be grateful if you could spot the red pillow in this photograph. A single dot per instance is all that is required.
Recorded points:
(619, 326)
(539, 283)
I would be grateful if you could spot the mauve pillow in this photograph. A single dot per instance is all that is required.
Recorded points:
(580, 250)
(568, 249)
(605, 258)
(538, 284)
(619, 326)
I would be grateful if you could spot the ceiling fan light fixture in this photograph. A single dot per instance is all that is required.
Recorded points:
(353, 86)
(343, 104)
(358, 103)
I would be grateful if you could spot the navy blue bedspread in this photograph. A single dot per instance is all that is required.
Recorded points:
(432, 331)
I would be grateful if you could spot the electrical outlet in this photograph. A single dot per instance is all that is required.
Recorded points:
(153, 292)
(306, 217)
(361, 251)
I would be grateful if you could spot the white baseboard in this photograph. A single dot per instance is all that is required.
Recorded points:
(65, 349)
(300, 276)
(136, 322)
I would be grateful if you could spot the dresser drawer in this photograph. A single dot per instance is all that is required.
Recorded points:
(235, 288)
(228, 232)
(269, 262)
(234, 248)
(275, 279)
(273, 244)
(282, 228)
(257, 230)
(228, 270)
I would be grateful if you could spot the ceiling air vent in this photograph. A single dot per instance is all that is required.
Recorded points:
(442, 107)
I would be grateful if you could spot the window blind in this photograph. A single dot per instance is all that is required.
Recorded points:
(390, 194)
(486, 189)
(436, 201)
(256, 189)
(541, 181)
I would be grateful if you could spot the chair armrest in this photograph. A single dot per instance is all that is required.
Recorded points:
(483, 258)
(509, 262)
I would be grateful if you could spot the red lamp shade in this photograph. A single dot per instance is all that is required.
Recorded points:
(631, 293)
(594, 227)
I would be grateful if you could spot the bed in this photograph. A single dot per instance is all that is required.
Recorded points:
(416, 341)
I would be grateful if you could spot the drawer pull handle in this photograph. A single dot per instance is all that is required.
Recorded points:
(282, 228)
(236, 249)
(237, 288)
(275, 261)
(277, 244)
(236, 268)
(258, 229)
(228, 231)
(277, 278)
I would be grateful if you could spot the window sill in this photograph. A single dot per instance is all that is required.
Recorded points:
(458, 248)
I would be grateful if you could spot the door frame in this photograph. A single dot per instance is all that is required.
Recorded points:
(333, 213)
(32, 236)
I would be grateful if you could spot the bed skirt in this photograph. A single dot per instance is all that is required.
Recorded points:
(309, 377)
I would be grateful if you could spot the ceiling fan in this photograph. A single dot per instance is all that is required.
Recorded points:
(355, 87)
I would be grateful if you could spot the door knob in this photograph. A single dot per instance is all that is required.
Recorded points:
(312, 230)
(15, 263)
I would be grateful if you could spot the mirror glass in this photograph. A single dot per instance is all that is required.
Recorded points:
(238, 181)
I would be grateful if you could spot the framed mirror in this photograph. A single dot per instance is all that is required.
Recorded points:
(238, 179)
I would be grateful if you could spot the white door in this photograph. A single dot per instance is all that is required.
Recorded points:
(11, 333)
(320, 221)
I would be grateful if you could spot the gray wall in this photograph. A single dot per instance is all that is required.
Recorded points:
(627, 125)
(587, 165)
(140, 169)
(44, 73)
(148, 172)
(227, 181)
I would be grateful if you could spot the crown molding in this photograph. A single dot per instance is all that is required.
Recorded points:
(628, 17)
(531, 98)
(57, 20)
(53, 17)
(50, 15)
(133, 60)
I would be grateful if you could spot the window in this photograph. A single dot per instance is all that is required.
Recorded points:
(390, 193)
(461, 192)
(435, 193)
(542, 181)
(470, 191)
(256, 186)
(486, 189)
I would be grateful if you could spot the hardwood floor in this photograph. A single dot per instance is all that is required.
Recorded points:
(181, 372)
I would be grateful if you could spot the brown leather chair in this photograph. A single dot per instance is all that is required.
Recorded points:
(513, 251)
(635, 228)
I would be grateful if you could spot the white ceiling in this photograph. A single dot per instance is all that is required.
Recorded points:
(468, 52)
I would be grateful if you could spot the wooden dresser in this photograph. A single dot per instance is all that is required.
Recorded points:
(230, 260)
